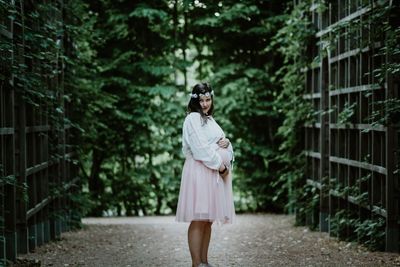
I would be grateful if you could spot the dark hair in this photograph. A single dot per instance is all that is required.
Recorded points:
(194, 103)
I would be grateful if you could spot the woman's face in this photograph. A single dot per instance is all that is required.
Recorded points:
(205, 103)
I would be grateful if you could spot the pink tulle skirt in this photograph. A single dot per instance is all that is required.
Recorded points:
(204, 195)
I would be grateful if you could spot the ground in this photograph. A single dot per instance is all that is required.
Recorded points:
(254, 240)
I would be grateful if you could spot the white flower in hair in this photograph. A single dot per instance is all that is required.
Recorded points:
(200, 95)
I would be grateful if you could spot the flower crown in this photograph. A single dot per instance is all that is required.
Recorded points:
(200, 95)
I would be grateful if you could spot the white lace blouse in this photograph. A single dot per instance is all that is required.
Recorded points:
(199, 140)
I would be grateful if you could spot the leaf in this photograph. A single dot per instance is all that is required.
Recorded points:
(156, 70)
(149, 13)
(165, 91)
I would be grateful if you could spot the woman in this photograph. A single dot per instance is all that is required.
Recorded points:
(206, 187)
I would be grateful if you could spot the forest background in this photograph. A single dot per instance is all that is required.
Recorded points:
(124, 70)
(129, 76)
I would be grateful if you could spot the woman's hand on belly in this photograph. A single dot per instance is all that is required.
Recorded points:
(223, 142)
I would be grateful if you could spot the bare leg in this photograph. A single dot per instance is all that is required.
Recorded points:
(195, 240)
(206, 242)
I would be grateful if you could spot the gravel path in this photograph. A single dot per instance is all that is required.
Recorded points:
(254, 240)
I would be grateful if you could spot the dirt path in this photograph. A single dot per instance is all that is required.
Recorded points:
(254, 240)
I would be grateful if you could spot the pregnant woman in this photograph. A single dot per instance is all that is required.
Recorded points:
(206, 186)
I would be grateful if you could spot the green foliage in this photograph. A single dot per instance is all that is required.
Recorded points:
(305, 199)
(386, 112)
(347, 225)
(341, 221)
(307, 205)
(371, 232)
(139, 107)
(124, 62)
(151, 14)
(233, 57)
(32, 64)
(291, 41)
(129, 105)
(347, 113)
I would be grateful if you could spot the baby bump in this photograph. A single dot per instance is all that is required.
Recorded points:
(226, 155)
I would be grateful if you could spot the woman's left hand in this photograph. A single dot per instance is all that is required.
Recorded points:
(223, 142)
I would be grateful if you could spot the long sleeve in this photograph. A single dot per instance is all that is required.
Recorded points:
(195, 138)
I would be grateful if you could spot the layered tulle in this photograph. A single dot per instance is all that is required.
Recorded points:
(204, 195)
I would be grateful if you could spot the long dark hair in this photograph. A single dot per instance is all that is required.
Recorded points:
(194, 103)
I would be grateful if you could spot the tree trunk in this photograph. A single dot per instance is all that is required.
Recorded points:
(96, 186)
